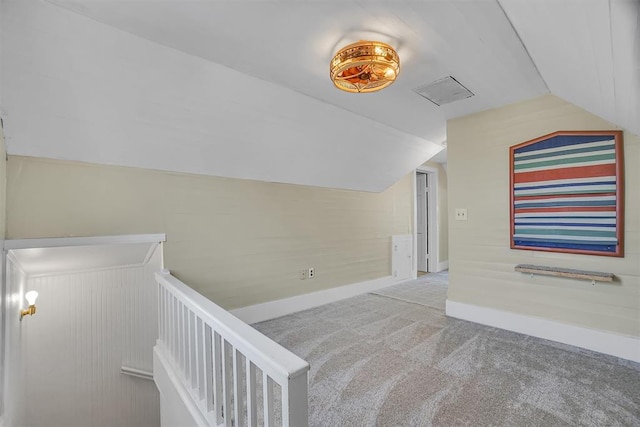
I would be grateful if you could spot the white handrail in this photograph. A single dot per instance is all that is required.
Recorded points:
(261, 349)
(217, 357)
(139, 373)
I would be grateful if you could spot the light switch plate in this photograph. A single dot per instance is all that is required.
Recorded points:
(461, 214)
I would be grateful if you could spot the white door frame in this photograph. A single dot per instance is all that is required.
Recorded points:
(432, 221)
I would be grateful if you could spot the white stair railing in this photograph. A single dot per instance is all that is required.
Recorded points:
(231, 371)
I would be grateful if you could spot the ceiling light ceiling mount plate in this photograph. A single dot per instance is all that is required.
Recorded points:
(364, 66)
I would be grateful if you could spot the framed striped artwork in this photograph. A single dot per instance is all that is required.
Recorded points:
(567, 193)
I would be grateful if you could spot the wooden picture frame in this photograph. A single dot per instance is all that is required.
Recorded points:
(567, 193)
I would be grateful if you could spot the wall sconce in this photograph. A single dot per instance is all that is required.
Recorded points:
(31, 297)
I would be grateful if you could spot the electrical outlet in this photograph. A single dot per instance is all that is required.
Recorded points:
(311, 273)
(303, 274)
(461, 214)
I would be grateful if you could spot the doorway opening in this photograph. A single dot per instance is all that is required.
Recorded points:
(425, 221)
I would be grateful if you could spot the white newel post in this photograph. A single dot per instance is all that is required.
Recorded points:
(295, 404)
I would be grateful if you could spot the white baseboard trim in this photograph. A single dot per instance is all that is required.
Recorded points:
(444, 265)
(622, 346)
(272, 309)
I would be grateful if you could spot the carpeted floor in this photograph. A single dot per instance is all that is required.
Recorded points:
(393, 359)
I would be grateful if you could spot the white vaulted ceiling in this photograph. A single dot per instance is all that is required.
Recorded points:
(588, 52)
(241, 89)
(290, 43)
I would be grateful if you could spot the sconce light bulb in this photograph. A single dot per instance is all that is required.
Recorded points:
(31, 297)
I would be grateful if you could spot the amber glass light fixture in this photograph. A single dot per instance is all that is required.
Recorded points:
(365, 66)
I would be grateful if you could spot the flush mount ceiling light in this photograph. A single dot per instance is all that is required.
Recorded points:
(365, 66)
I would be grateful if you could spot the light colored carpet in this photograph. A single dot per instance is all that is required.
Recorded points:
(379, 360)
(429, 290)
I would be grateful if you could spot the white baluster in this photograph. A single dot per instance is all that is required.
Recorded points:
(192, 349)
(160, 314)
(200, 357)
(176, 331)
(208, 369)
(267, 393)
(238, 395)
(217, 377)
(227, 382)
(181, 337)
(185, 344)
(252, 410)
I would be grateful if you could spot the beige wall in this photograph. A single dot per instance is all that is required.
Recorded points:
(443, 211)
(238, 242)
(481, 260)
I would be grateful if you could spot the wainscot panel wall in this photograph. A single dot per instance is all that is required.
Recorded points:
(14, 387)
(238, 242)
(481, 261)
(88, 326)
(4, 296)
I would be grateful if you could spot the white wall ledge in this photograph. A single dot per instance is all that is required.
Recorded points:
(55, 242)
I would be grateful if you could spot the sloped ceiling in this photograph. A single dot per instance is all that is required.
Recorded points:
(588, 52)
(42, 261)
(290, 43)
(74, 254)
(241, 89)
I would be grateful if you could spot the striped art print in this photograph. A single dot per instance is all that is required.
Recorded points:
(567, 193)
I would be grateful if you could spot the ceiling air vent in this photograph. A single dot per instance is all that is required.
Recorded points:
(444, 91)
